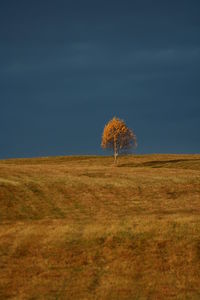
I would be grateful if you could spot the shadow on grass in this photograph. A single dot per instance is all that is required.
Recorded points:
(157, 163)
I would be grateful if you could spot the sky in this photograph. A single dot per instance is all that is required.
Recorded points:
(68, 67)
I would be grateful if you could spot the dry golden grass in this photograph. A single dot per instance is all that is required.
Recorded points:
(81, 228)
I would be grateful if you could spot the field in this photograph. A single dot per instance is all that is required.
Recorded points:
(82, 228)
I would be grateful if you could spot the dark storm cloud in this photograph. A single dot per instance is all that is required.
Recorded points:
(66, 65)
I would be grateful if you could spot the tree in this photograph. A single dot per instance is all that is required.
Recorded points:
(118, 137)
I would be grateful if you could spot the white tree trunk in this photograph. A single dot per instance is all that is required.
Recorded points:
(115, 152)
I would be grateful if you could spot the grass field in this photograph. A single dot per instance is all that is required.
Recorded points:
(81, 228)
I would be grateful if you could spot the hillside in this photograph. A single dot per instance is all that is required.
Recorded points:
(81, 228)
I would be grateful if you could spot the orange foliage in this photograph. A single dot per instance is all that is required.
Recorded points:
(118, 137)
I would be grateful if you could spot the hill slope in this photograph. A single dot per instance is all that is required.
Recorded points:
(80, 228)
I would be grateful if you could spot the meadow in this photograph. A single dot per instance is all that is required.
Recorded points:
(78, 227)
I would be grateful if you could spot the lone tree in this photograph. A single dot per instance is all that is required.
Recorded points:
(118, 137)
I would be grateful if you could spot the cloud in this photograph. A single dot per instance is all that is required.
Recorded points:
(94, 56)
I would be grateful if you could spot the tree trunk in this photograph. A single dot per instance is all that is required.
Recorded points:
(115, 152)
(115, 158)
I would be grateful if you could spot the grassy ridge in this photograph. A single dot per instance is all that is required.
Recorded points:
(80, 228)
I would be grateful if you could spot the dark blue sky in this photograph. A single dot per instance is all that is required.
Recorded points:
(67, 67)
